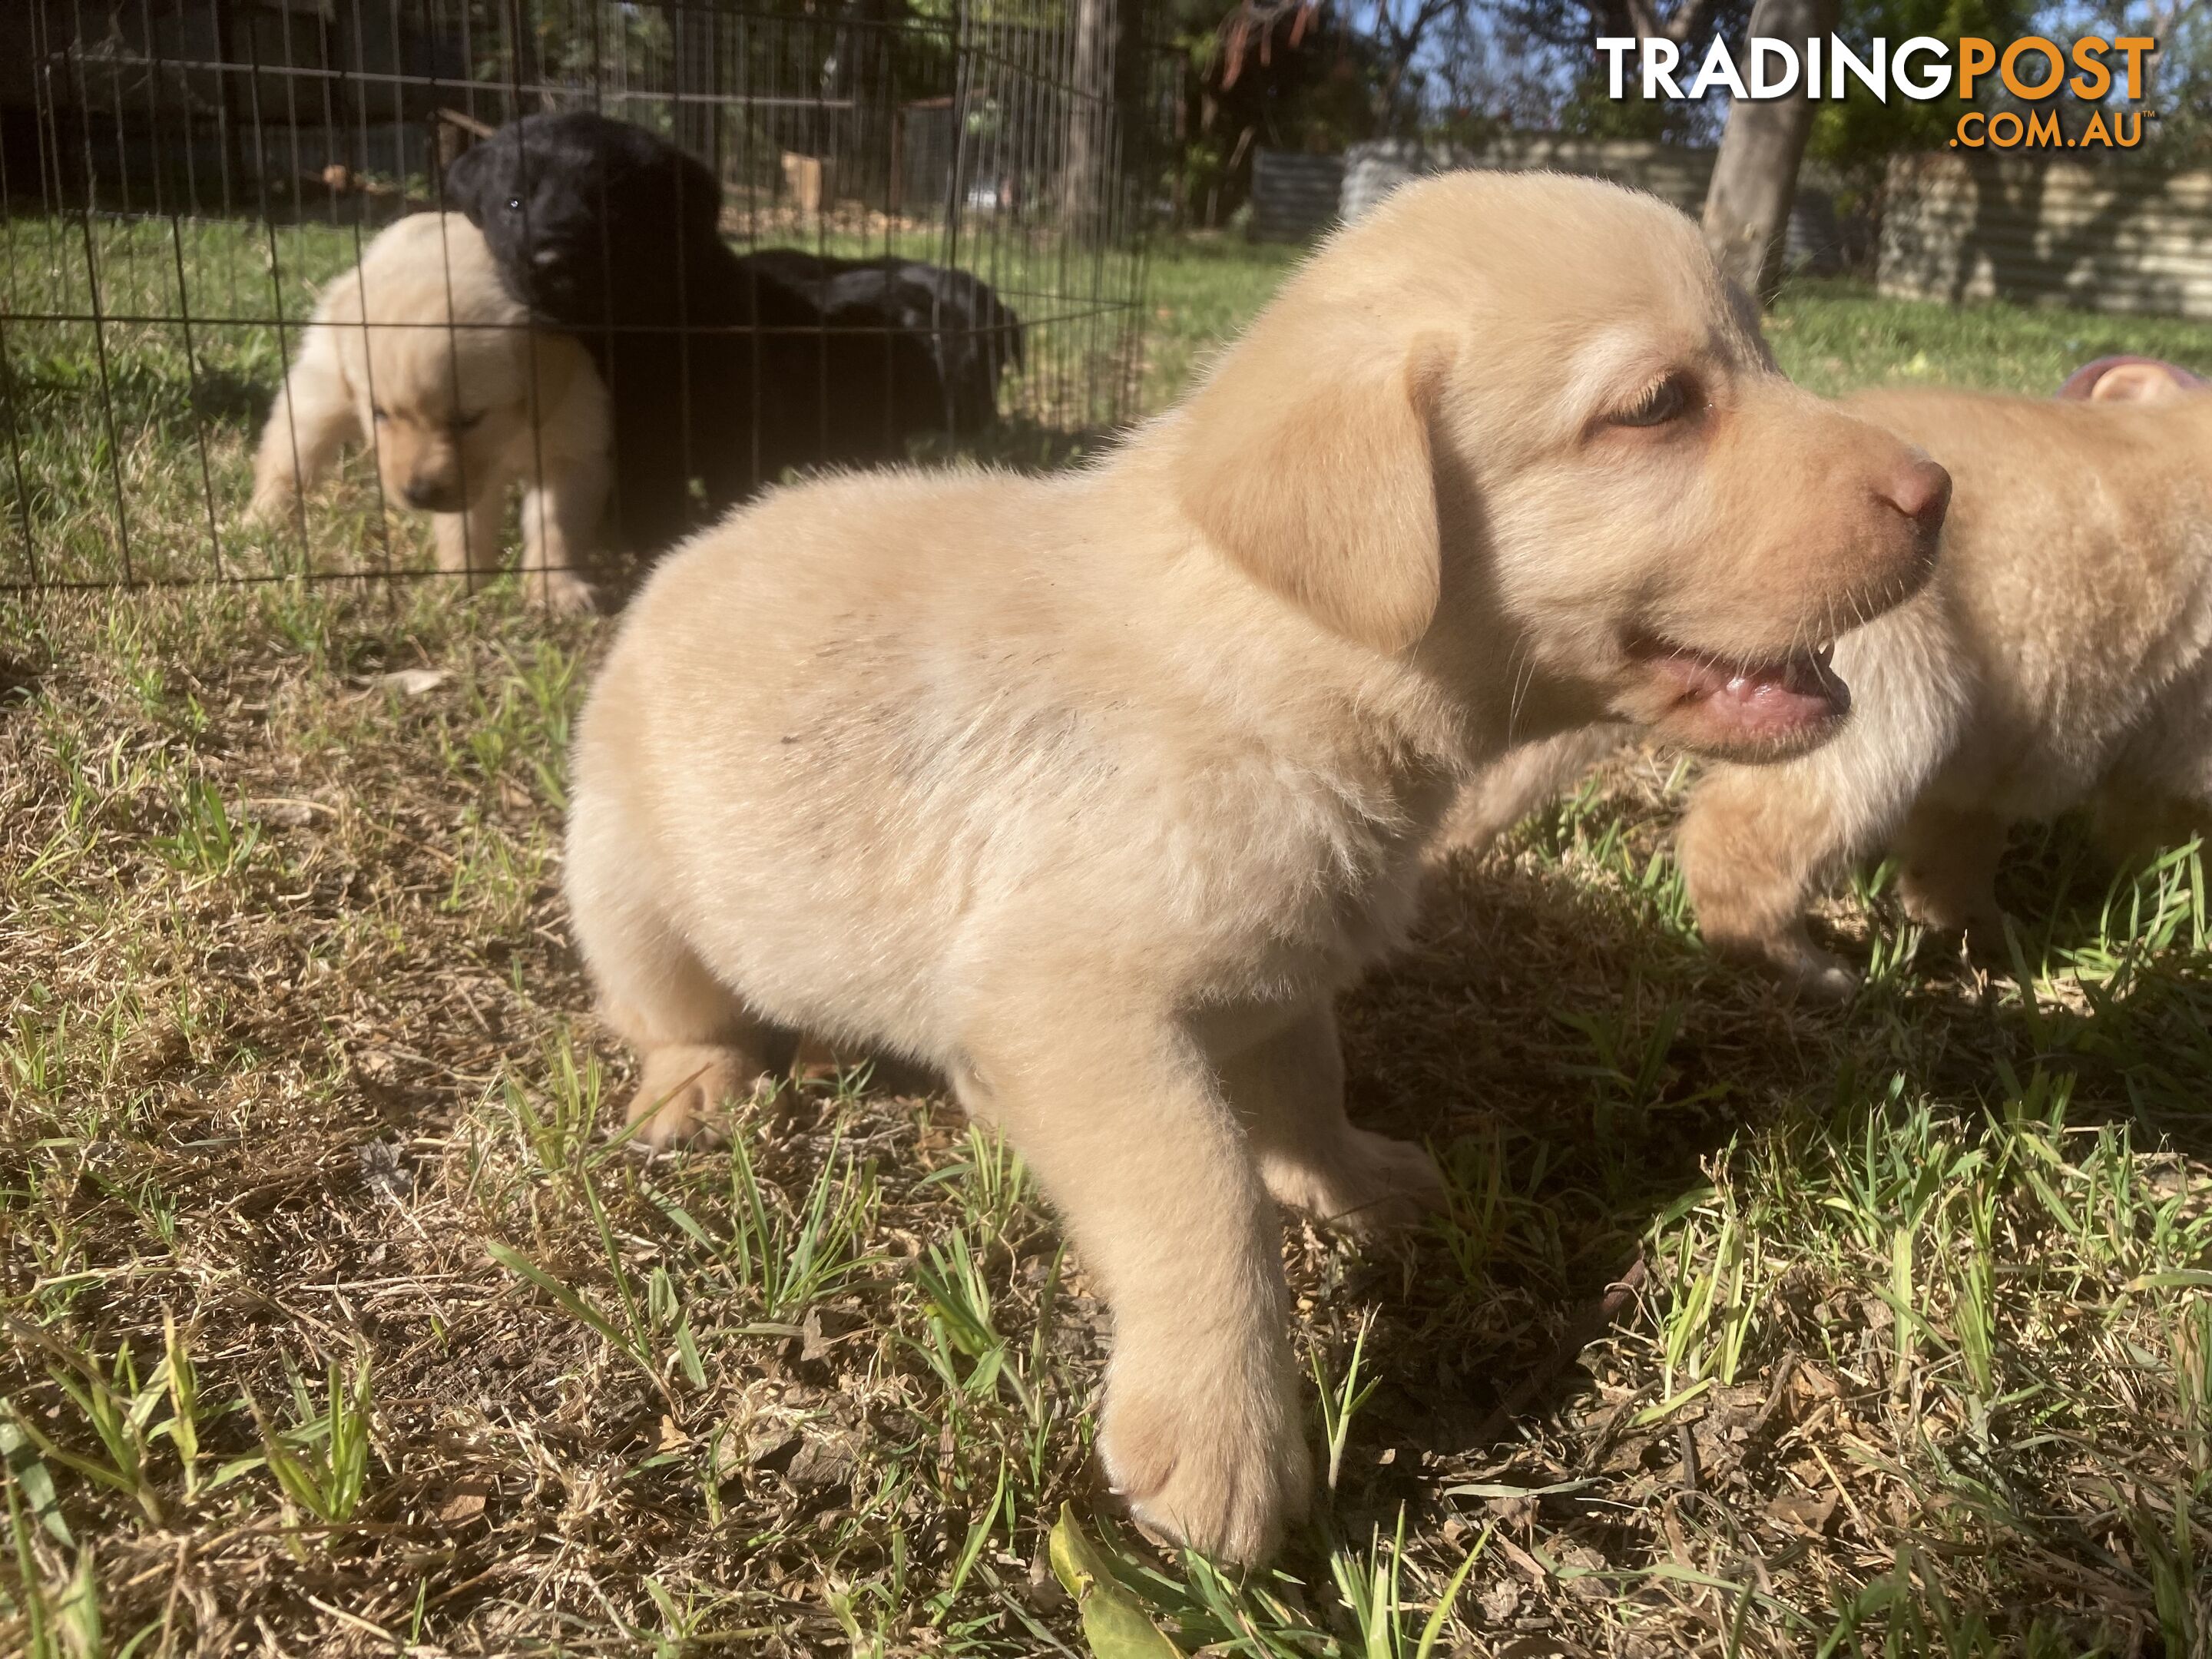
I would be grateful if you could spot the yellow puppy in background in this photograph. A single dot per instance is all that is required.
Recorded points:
(421, 352)
(2061, 657)
(1093, 790)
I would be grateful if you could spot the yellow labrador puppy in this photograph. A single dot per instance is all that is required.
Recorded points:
(2062, 657)
(421, 352)
(1093, 790)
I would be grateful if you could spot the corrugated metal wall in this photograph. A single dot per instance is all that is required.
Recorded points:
(1294, 196)
(2057, 232)
(1676, 173)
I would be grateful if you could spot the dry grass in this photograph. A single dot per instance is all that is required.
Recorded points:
(338, 1324)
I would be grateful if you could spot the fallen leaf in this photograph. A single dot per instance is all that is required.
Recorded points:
(1114, 1623)
(384, 1171)
(464, 1503)
(1529, 1566)
(284, 813)
(820, 1463)
(1809, 1510)
(764, 1444)
(411, 682)
(1046, 1595)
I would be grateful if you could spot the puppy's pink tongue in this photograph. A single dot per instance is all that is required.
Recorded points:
(1799, 690)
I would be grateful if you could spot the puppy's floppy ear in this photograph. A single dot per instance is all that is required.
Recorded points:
(1316, 476)
(698, 200)
(2130, 380)
(466, 177)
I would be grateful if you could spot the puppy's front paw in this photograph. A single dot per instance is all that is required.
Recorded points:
(1818, 975)
(682, 1092)
(274, 500)
(1943, 909)
(1814, 974)
(562, 593)
(1216, 1462)
(1368, 1186)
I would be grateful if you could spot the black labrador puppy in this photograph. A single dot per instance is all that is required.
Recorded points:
(971, 335)
(718, 370)
(608, 232)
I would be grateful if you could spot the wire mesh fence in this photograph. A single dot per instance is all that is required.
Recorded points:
(183, 179)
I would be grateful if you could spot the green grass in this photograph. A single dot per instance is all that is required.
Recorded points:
(336, 1322)
(1836, 337)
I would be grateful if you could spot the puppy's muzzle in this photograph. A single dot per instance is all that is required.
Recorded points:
(434, 494)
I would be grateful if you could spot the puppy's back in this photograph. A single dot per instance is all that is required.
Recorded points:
(2065, 546)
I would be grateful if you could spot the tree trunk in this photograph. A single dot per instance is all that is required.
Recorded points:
(1090, 106)
(1105, 113)
(1132, 92)
(691, 43)
(1755, 174)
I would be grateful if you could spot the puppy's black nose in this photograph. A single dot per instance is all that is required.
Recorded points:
(430, 495)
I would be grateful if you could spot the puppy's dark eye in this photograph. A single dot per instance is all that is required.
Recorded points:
(465, 422)
(1666, 400)
(377, 412)
(514, 205)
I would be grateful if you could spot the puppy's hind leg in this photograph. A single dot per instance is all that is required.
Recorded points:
(1123, 1116)
(1289, 1091)
(698, 1046)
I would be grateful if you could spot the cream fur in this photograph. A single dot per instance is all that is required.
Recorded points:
(1092, 790)
(418, 338)
(2061, 657)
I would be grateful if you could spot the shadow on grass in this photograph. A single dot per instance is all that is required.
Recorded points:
(1577, 1059)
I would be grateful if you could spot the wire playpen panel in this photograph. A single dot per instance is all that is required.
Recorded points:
(181, 178)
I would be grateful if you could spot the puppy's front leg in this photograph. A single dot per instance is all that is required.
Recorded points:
(1126, 1125)
(1289, 1091)
(468, 541)
(1947, 876)
(560, 513)
(1753, 846)
(312, 418)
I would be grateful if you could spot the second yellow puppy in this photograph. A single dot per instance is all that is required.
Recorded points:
(420, 352)
(2061, 657)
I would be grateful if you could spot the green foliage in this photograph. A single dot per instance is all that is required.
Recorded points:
(320, 1459)
(1858, 135)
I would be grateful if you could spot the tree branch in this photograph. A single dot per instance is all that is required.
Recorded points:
(1686, 20)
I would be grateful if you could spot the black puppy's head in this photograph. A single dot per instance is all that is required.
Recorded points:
(587, 215)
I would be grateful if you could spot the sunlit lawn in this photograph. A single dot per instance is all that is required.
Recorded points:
(335, 1324)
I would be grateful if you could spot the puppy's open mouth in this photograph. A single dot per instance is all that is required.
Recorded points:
(1762, 701)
